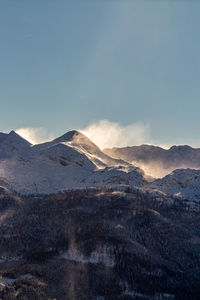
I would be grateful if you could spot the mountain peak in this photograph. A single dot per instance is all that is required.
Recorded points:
(12, 132)
(15, 139)
(70, 136)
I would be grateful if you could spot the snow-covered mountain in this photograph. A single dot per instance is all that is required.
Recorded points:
(157, 161)
(73, 161)
(110, 240)
(70, 161)
(181, 183)
(79, 142)
(12, 144)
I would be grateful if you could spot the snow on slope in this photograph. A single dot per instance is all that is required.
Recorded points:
(70, 161)
(11, 144)
(73, 161)
(182, 183)
(84, 145)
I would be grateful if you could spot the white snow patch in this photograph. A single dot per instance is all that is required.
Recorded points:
(102, 256)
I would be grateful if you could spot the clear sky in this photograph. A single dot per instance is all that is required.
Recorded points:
(65, 64)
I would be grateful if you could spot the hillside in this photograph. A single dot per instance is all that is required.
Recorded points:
(99, 244)
(157, 161)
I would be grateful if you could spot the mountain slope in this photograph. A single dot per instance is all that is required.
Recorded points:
(157, 161)
(182, 183)
(12, 143)
(98, 244)
(73, 161)
(84, 145)
(70, 161)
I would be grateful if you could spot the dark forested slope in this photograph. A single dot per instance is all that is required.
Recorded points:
(99, 244)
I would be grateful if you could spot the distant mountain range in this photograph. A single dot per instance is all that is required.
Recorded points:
(157, 161)
(73, 161)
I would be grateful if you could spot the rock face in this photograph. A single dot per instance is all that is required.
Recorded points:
(157, 161)
(99, 244)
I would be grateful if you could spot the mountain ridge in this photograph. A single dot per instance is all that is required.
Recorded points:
(69, 161)
(157, 161)
(73, 161)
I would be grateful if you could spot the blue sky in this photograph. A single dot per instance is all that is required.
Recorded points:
(69, 63)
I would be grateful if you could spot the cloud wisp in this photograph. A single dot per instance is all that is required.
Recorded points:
(108, 134)
(105, 134)
(35, 135)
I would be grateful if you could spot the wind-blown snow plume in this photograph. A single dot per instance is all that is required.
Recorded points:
(110, 134)
(35, 135)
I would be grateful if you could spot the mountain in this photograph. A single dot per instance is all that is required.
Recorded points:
(70, 161)
(78, 224)
(182, 183)
(73, 161)
(157, 161)
(11, 144)
(3, 136)
(84, 145)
